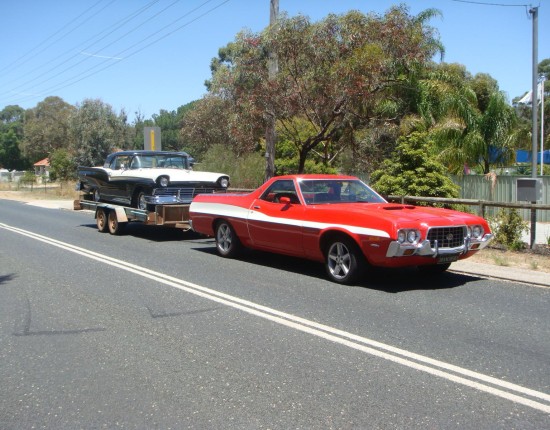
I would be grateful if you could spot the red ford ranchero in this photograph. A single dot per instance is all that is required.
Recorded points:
(340, 221)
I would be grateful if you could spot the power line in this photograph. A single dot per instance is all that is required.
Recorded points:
(96, 52)
(491, 4)
(84, 75)
(14, 65)
(114, 27)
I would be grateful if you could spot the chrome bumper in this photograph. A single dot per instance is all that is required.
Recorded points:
(166, 200)
(424, 249)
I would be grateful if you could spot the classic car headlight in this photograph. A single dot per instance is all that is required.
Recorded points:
(412, 236)
(476, 231)
(163, 181)
(408, 235)
(224, 182)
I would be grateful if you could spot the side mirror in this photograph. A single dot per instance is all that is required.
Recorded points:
(285, 200)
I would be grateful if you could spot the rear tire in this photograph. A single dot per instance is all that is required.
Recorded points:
(227, 242)
(344, 262)
(115, 227)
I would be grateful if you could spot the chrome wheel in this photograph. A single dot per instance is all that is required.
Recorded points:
(343, 261)
(227, 242)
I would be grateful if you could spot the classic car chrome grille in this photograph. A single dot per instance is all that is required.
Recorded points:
(447, 237)
(184, 194)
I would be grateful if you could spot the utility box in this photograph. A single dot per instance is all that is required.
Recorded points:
(529, 189)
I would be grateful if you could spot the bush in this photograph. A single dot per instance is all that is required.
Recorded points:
(508, 228)
(246, 171)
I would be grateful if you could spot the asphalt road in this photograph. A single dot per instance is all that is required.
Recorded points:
(153, 330)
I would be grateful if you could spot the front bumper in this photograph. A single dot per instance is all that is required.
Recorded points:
(172, 195)
(425, 249)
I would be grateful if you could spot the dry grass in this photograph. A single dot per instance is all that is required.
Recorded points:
(55, 191)
(524, 260)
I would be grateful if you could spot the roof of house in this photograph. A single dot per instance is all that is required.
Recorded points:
(44, 162)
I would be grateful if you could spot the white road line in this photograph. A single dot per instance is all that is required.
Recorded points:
(422, 363)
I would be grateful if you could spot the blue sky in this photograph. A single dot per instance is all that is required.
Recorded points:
(147, 55)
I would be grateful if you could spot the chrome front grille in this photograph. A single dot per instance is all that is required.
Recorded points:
(447, 237)
(184, 194)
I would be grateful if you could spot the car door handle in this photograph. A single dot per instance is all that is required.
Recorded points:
(256, 207)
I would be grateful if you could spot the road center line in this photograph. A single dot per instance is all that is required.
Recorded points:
(403, 357)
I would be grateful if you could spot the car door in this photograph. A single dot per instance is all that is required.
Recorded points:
(276, 225)
(116, 188)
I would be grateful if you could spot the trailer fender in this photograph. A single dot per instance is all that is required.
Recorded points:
(121, 214)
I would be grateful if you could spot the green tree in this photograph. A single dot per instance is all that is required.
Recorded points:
(411, 172)
(468, 117)
(62, 166)
(11, 135)
(96, 131)
(46, 128)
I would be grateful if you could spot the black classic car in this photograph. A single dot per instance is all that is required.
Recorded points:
(143, 179)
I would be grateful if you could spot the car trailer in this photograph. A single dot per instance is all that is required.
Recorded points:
(114, 218)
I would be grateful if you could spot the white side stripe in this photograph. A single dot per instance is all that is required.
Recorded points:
(249, 214)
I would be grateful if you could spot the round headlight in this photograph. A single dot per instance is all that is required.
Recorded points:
(411, 236)
(164, 181)
(401, 236)
(224, 182)
(477, 231)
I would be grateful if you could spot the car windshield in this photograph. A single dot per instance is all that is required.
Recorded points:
(165, 161)
(323, 191)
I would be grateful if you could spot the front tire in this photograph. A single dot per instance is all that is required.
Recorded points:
(227, 242)
(344, 262)
(138, 200)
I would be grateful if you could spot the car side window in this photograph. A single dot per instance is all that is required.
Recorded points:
(280, 189)
(119, 163)
(135, 163)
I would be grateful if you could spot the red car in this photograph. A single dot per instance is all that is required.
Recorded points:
(340, 221)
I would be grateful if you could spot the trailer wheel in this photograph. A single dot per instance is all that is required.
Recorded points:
(115, 227)
(101, 221)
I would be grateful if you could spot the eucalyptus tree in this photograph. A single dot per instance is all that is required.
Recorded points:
(332, 74)
(46, 128)
(96, 131)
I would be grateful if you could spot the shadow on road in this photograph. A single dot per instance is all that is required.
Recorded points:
(153, 233)
(6, 278)
(386, 280)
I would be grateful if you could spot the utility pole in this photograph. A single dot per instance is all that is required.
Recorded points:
(534, 11)
(270, 136)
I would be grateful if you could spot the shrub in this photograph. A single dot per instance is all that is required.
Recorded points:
(508, 227)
